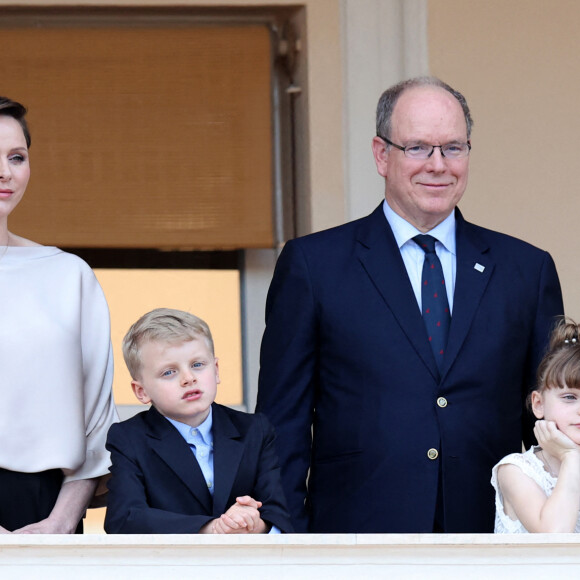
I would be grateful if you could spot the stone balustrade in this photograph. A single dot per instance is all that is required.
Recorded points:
(293, 556)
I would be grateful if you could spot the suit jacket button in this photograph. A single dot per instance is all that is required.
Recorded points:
(432, 453)
(442, 402)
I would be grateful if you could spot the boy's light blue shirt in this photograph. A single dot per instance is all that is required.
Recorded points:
(200, 441)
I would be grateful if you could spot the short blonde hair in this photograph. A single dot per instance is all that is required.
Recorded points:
(162, 325)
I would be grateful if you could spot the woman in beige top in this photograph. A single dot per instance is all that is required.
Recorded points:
(56, 365)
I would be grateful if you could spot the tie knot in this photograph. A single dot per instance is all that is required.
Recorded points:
(426, 243)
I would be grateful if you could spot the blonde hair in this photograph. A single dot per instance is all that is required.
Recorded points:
(560, 366)
(162, 325)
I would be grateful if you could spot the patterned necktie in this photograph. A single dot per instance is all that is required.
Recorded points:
(434, 298)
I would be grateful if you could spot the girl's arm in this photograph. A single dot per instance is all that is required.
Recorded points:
(563, 505)
(525, 500)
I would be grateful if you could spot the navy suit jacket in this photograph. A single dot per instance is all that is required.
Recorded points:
(351, 385)
(157, 486)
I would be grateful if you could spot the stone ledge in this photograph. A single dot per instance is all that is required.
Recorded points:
(339, 556)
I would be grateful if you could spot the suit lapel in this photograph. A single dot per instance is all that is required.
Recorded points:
(170, 446)
(474, 270)
(228, 451)
(381, 258)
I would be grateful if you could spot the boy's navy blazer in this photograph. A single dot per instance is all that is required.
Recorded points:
(157, 485)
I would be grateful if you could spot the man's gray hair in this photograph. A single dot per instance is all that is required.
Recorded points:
(390, 97)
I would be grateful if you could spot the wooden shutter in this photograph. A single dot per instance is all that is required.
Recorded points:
(144, 137)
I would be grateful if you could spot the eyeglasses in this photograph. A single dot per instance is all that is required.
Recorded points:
(424, 151)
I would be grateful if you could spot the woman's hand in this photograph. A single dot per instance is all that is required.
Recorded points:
(47, 526)
(71, 504)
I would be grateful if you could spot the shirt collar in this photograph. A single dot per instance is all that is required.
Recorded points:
(186, 431)
(404, 231)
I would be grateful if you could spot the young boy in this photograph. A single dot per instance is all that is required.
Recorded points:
(188, 465)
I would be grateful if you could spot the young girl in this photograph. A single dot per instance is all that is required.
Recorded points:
(539, 490)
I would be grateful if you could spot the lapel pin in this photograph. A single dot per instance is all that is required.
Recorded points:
(479, 267)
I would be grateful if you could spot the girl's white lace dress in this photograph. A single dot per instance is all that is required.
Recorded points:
(533, 467)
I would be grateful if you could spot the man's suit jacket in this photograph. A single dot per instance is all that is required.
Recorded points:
(157, 485)
(345, 352)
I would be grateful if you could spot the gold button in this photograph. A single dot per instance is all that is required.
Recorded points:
(432, 453)
(442, 402)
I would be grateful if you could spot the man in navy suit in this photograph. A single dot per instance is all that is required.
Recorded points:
(378, 431)
(188, 465)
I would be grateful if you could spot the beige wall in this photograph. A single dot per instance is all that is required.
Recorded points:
(517, 63)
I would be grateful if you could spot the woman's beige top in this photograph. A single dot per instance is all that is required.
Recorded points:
(56, 364)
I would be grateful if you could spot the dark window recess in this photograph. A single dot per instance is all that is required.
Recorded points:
(157, 259)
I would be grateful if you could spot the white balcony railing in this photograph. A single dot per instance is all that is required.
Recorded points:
(294, 556)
